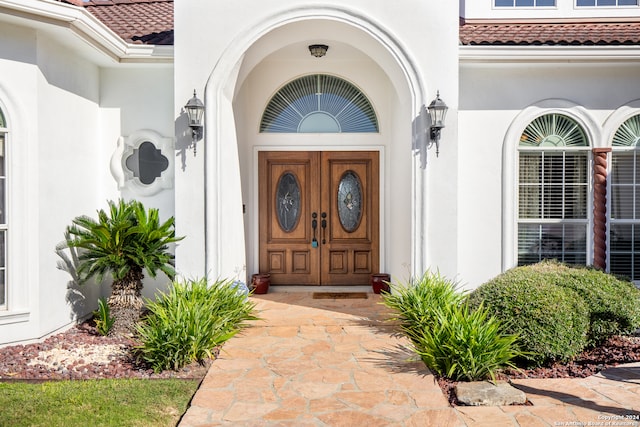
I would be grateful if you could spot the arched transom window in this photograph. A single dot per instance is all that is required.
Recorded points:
(624, 240)
(319, 103)
(553, 186)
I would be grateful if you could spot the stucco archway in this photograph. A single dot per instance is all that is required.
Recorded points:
(275, 39)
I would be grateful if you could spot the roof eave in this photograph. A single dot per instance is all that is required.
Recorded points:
(541, 54)
(87, 28)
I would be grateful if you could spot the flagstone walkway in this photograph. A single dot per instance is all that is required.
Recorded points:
(337, 362)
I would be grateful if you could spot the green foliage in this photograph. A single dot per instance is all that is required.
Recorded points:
(124, 237)
(103, 318)
(464, 344)
(551, 321)
(452, 339)
(614, 304)
(416, 303)
(187, 323)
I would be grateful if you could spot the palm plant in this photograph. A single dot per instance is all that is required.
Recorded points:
(124, 241)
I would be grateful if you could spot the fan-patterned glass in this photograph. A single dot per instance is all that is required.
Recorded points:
(624, 176)
(628, 134)
(553, 191)
(319, 103)
(553, 130)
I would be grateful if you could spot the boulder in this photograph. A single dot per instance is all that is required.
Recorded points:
(485, 393)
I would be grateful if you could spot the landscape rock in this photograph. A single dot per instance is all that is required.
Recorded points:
(485, 393)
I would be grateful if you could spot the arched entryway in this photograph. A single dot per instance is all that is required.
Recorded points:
(278, 55)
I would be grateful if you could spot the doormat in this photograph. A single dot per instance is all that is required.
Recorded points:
(339, 295)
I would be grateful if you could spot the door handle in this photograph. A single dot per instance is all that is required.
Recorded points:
(324, 226)
(314, 226)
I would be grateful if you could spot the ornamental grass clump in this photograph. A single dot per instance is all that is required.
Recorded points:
(453, 340)
(465, 344)
(417, 303)
(190, 321)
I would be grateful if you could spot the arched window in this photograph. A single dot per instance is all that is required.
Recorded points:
(319, 103)
(3, 212)
(553, 186)
(624, 237)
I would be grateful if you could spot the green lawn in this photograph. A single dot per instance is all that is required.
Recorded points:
(125, 402)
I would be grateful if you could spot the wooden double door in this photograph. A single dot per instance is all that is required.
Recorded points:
(319, 217)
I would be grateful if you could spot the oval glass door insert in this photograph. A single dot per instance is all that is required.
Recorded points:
(350, 201)
(288, 201)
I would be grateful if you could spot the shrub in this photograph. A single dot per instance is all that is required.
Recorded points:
(190, 321)
(614, 304)
(452, 340)
(124, 241)
(551, 321)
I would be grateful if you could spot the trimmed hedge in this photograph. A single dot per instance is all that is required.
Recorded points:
(614, 304)
(551, 321)
(534, 300)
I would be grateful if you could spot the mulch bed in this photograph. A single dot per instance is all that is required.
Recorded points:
(15, 360)
(613, 352)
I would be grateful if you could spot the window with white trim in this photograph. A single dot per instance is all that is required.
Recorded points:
(3, 213)
(524, 3)
(624, 236)
(609, 3)
(553, 187)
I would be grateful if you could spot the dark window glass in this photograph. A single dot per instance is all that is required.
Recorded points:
(350, 201)
(525, 3)
(147, 163)
(288, 201)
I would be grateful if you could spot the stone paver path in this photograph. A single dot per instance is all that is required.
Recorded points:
(317, 362)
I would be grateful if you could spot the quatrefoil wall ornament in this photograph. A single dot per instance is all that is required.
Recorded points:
(142, 163)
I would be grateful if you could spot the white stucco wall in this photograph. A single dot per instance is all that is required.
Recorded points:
(492, 98)
(65, 114)
(138, 99)
(50, 97)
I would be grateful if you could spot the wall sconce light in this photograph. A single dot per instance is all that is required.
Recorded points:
(437, 111)
(318, 50)
(195, 112)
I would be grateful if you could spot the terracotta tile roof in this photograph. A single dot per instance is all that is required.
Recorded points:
(151, 22)
(576, 33)
(136, 21)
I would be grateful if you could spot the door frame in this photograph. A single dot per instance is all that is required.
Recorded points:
(255, 216)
